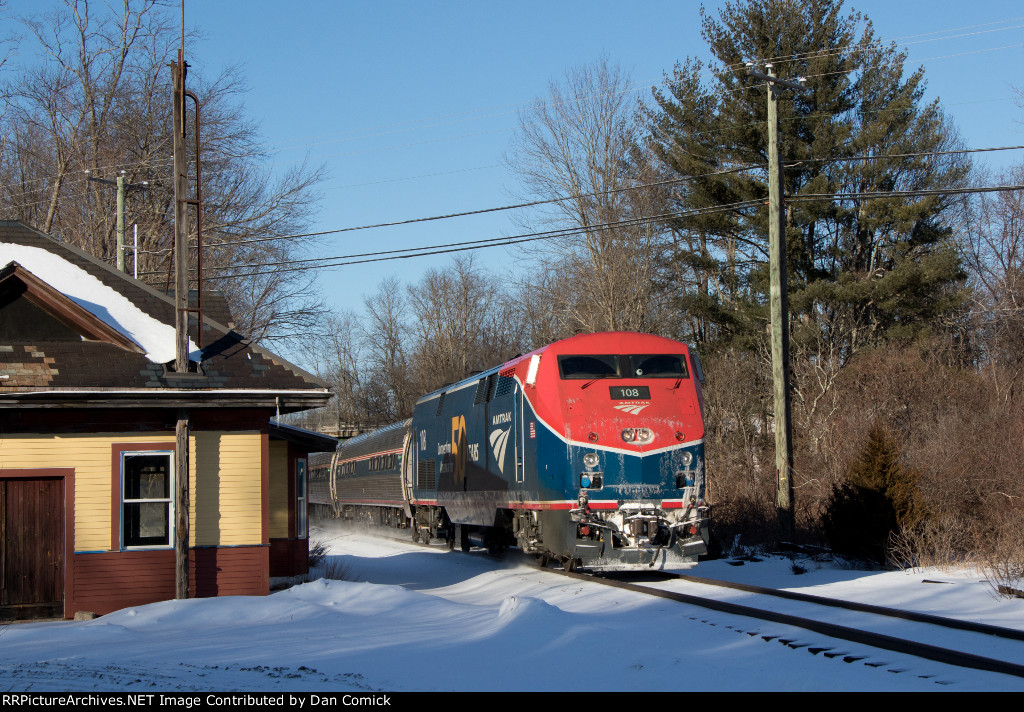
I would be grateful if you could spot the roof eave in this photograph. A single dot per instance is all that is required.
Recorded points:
(280, 401)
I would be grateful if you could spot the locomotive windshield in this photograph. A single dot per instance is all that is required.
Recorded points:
(658, 366)
(625, 366)
(589, 366)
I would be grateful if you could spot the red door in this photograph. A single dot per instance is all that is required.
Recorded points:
(31, 547)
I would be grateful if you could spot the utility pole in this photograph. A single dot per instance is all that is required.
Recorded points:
(120, 222)
(779, 307)
(178, 71)
(122, 188)
(181, 364)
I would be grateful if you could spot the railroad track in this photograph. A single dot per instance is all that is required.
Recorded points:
(919, 624)
(814, 612)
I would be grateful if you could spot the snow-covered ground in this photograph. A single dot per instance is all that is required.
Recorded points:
(411, 618)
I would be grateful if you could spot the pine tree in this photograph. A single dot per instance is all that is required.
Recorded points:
(876, 500)
(860, 271)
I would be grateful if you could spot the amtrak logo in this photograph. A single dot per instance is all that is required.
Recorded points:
(633, 408)
(499, 440)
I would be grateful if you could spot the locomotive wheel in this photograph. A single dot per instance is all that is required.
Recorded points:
(571, 564)
(495, 546)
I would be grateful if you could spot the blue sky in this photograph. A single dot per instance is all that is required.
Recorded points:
(411, 106)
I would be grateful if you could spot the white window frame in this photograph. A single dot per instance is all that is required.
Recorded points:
(169, 500)
(301, 491)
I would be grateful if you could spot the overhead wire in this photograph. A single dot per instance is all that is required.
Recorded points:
(407, 253)
(560, 199)
(483, 211)
(317, 263)
(633, 87)
(881, 44)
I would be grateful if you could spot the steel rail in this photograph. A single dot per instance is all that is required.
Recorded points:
(876, 640)
(915, 616)
(854, 635)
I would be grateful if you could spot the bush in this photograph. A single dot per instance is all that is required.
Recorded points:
(1002, 558)
(943, 539)
(874, 502)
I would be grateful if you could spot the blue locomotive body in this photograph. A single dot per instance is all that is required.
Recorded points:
(589, 451)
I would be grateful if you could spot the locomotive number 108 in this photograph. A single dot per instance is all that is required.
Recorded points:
(532, 454)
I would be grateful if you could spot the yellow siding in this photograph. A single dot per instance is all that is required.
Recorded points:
(234, 460)
(226, 496)
(89, 455)
(278, 489)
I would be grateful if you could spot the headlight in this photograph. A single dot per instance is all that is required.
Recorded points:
(591, 459)
(628, 435)
(687, 458)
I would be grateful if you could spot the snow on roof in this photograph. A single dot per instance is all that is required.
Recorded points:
(152, 336)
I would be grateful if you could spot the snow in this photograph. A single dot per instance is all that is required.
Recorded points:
(410, 618)
(115, 310)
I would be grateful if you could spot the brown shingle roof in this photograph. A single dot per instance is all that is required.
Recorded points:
(229, 361)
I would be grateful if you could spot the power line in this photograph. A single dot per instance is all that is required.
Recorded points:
(407, 253)
(921, 154)
(472, 244)
(880, 44)
(920, 193)
(642, 186)
(482, 211)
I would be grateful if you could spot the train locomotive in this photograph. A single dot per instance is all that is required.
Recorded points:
(589, 451)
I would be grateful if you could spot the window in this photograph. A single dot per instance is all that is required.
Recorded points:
(300, 498)
(592, 367)
(658, 366)
(147, 502)
(589, 366)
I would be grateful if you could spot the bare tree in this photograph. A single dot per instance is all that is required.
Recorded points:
(95, 102)
(578, 144)
(413, 339)
(334, 354)
(464, 323)
(995, 256)
(387, 393)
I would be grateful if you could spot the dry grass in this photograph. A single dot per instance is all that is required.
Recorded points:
(942, 541)
(335, 568)
(317, 552)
